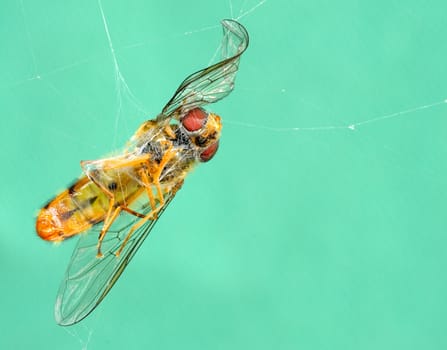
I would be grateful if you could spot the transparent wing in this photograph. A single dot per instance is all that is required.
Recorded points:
(88, 279)
(213, 83)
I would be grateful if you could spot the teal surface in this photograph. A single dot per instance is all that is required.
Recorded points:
(321, 222)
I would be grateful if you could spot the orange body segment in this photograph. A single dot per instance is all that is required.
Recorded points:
(72, 211)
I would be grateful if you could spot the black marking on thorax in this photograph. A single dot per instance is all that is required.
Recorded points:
(153, 148)
(182, 139)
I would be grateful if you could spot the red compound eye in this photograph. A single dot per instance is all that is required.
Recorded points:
(209, 153)
(194, 119)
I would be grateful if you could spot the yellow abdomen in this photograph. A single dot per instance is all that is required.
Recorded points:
(73, 211)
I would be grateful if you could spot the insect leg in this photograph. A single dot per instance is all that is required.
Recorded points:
(110, 221)
(132, 212)
(148, 188)
(145, 179)
(105, 229)
(156, 176)
(149, 216)
(91, 169)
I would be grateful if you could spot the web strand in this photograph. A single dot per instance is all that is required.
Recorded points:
(352, 126)
(120, 82)
(122, 88)
(246, 13)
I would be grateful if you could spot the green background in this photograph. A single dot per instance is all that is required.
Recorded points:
(301, 233)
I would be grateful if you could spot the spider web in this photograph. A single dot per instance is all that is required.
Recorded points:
(46, 78)
(124, 93)
(63, 88)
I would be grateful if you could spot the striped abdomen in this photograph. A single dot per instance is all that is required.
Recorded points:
(73, 211)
